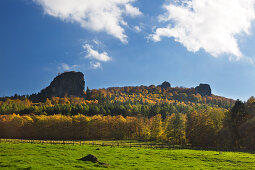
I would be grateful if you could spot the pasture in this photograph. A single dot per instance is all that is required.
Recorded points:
(16, 155)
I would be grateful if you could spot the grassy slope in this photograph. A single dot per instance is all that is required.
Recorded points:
(58, 156)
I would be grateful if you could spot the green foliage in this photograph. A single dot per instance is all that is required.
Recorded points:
(239, 125)
(203, 127)
(175, 129)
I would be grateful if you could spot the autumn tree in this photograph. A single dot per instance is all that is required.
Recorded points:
(175, 128)
(156, 127)
(235, 118)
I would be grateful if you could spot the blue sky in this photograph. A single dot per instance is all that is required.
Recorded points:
(149, 42)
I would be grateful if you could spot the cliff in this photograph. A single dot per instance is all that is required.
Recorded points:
(204, 90)
(66, 84)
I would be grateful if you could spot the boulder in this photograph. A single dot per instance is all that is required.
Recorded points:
(89, 157)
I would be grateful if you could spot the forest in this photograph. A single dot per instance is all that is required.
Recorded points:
(177, 116)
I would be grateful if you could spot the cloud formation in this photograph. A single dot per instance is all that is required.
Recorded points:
(212, 25)
(95, 15)
(95, 65)
(66, 67)
(96, 56)
(93, 54)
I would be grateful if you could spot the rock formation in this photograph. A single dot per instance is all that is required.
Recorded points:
(165, 84)
(204, 90)
(93, 159)
(65, 84)
(89, 157)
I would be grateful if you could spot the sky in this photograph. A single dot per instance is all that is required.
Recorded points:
(129, 43)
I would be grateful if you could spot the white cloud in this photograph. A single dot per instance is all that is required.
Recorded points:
(66, 67)
(95, 65)
(132, 11)
(137, 29)
(96, 56)
(93, 54)
(96, 15)
(212, 25)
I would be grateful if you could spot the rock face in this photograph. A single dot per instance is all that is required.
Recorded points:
(165, 84)
(204, 90)
(66, 84)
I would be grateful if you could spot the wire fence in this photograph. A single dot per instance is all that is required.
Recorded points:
(82, 142)
(123, 144)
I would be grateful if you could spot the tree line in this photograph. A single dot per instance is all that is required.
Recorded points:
(208, 127)
(173, 115)
(74, 106)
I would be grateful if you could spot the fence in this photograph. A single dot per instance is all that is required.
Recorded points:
(123, 144)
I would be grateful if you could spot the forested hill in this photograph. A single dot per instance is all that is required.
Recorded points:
(126, 101)
(158, 95)
(172, 114)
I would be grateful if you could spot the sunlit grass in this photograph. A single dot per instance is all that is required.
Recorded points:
(59, 156)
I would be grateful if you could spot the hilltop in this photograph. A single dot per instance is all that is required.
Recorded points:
(66, 95)
(160, 94)
(65, 84)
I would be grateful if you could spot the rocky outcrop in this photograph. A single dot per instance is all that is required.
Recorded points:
(204, 90)
(165, 84)
(65, 84)
(93, 159)
(89, 157)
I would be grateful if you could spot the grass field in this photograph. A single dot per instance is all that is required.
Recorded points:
(65, 156)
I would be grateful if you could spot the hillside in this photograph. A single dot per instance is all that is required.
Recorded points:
(65, 95)
(158, 95)
(175, 115)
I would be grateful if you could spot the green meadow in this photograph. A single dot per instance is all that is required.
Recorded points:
(65, 156)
